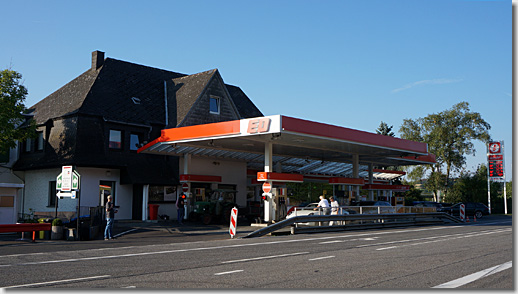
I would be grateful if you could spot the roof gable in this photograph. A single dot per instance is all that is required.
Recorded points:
(193, 95)
(187, 90)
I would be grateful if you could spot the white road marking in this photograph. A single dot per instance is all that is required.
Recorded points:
(57, 282)
(323, 257)
(264, 257)
(350, 240)
(124, 233)
(226, 273)
(478, 275)
(438, 239)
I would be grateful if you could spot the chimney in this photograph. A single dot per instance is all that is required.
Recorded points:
(97, 59)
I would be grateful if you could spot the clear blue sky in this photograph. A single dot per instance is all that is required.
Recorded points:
(348, 63)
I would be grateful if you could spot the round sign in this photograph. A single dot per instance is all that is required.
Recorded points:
(267, 187)
(494, 147)
(185, 187)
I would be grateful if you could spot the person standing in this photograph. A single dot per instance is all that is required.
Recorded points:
(323, 205)
(110, 216)
(180, 204)
(334, 208)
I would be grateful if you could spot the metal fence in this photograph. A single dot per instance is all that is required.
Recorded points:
(363, 210)
(338, 222)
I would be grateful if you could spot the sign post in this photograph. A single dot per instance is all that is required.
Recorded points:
(68, 184)
(496, 169)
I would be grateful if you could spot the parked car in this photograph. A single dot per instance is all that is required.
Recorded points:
(476, 209)
(438, 206)
(372, 207)
(302, 205)
(309, 209)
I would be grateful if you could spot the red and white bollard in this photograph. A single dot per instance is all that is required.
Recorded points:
(233, 222)
(462, 212)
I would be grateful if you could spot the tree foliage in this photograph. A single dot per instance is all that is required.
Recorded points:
(12, 97)
(449, 135)
(385, 130)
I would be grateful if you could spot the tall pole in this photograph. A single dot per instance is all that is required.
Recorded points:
(488, 181)
(505, 192)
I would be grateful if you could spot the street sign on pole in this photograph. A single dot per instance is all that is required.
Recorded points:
(66, 178)
(185, 187)
(267, 187)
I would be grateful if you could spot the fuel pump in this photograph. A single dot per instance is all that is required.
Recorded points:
(279, 199)
(275, 205)
(189, 204)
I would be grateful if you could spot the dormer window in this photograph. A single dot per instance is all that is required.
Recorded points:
(214, 104)
(135, 100)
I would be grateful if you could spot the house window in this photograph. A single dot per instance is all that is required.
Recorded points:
(115, 139)
(52, 194)
(214, 104)
(39, 142)
(162, 194)
(4, 155)
(28, 145)
(134, 142)
(106, 188)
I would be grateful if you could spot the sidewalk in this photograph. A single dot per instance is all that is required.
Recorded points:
(141, 229)
(173, 227)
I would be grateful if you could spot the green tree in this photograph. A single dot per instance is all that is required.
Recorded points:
(385, 130)
(12, 97)
(469, 188)
(449, 135)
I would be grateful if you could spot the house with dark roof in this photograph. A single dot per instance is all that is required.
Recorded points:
(96, 123)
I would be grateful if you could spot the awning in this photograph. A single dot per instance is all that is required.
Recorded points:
(299, 146)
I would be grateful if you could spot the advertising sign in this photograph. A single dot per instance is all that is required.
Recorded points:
(495, 158)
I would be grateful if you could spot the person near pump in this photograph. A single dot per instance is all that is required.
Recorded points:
(323, 205)
(334, 208)
(180, 204)
(110, 216)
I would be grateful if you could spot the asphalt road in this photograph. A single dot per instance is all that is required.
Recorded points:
(473, 256)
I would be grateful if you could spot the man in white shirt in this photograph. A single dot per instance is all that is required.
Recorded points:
(324, 204)
(334, 208)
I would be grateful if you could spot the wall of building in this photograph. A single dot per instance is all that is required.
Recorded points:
(231, 172)
(37, 190)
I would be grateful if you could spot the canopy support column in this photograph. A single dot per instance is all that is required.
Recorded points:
(145, 197)
(356, 174)
(371, 181)
(268, 167)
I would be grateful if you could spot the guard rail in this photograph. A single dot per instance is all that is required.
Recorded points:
(25, 227)
(355, 221)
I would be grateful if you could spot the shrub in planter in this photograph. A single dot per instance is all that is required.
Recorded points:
(57, 229)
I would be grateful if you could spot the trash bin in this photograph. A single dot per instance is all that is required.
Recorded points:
(153, 211)
(44, 235)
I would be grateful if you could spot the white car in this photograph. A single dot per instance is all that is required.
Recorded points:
(308, 210)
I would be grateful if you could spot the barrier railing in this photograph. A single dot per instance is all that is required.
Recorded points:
(354, 221)
(368, 210)
(25, 227)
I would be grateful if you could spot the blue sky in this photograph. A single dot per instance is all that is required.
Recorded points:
(348, 63)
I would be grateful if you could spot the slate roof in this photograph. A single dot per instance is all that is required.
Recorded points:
(108, 92)
(187, 90)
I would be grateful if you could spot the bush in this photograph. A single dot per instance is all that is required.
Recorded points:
(57, 222)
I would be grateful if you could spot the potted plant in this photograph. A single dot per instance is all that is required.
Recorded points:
(57, 229)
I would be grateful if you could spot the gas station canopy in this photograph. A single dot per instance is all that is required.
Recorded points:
(299, 146)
